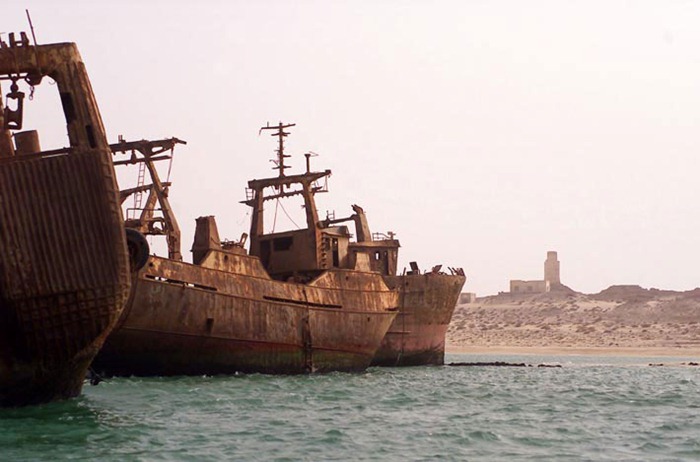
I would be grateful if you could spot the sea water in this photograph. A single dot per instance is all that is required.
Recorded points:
(592, 408)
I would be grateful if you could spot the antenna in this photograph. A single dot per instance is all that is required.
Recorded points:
(308, 156)
(281, 134)
(31, 26)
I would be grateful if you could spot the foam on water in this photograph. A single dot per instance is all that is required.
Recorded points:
(590, 409)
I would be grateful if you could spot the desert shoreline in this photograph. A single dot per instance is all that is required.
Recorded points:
(626, 321)
(574, 351)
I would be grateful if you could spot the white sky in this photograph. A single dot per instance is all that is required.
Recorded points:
(482, 133)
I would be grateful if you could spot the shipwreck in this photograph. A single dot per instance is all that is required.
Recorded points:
(300, 301)
(64, 267)
(426, 299)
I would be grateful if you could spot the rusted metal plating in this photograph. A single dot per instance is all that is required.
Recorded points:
(294, 305)
(64, 273)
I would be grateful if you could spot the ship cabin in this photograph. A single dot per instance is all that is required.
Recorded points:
(323, 244)
(382, 252)
(296, 255)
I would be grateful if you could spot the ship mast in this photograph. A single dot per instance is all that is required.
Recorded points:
(278, 255)
(281, 135)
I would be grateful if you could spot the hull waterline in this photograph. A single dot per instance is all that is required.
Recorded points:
(189, 320)
(417, 335)
(62, 285)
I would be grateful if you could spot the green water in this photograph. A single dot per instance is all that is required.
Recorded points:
(590, 409)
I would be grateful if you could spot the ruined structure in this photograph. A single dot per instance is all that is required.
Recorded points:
(551, 268)
(551, 278)
(467, 297)
(64, 269)
(529, 287)
(301, 301)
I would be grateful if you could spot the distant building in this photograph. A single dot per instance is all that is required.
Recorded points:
(529, 287)
(551, 268)
(551, 278)
(467, 297)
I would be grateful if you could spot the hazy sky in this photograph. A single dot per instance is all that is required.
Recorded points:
(483, 133)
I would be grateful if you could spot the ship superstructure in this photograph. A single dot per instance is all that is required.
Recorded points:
(292, 305)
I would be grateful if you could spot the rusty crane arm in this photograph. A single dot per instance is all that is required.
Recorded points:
(158, 191)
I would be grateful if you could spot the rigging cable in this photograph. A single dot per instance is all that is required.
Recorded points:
(290, 218)
(274, 221)
(170, 165)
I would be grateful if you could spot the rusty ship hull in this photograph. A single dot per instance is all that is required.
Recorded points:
(62, 286)
(417, 335)
(64, 266)
(227, 315)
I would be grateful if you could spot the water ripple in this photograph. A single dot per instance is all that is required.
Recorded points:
(586, 410)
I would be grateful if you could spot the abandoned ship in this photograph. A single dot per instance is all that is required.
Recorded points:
(426, 303)
(64, 267)
(426, 300)
(300, 301)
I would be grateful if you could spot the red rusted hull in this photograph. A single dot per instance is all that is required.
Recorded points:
(231, 317)
(64, 273)
(417, 335)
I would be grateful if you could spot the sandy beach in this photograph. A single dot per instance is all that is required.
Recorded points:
(574, 351)
(619, 321)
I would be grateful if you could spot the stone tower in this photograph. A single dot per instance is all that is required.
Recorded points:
(551, 268)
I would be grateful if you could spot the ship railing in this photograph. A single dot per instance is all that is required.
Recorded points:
(388, 236)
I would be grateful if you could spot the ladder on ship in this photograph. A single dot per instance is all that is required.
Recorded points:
(138, 196)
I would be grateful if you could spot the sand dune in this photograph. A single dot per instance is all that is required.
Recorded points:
(618, 320)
